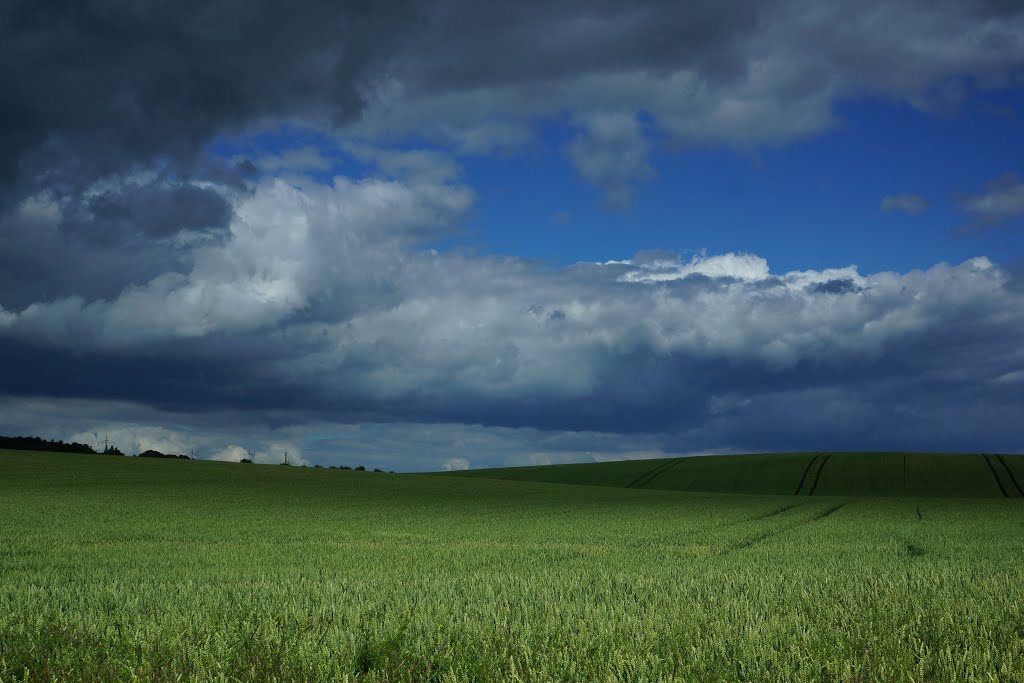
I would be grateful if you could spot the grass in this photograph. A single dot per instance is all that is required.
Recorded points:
(128, 569)
(820, 474)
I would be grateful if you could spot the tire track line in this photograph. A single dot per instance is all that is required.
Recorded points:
(804, 477)
(678, 461)
(1013, 477)
(904, 474)
(649, 473)
(988, 461)
(817, 477)
(756, 539)
(653, 472)
(764, 515)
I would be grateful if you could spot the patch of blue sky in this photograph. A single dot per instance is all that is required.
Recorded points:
(808, 203)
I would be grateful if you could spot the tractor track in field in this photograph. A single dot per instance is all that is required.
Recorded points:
(763, 536)
(904, 474)
(649, 476)
(817, 476)
(995, 475)
(1013, 477)
(764, 515)
(806, 471)
(776, 511)
(827, 511)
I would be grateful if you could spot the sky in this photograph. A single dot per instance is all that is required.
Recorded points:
(426, 236)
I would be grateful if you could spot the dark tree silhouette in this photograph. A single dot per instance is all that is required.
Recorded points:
(157, 454)
(34, 443)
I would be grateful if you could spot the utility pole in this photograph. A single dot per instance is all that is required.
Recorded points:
(286, 457)
(106, 444)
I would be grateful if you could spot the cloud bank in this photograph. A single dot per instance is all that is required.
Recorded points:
(321, 303)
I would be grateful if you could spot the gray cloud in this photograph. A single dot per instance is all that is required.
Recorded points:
(909, 203)
(611, 153)
(147, 210)
(1001, 203)
(297, 160)
(50, 249)
(704, 74)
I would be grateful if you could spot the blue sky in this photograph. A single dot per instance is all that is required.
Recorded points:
(473, 235)
(779, 201)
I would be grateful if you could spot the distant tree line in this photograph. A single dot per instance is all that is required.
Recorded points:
(34, 443)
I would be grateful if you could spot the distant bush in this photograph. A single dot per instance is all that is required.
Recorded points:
(344, 467)
(360, 469)
(34, 443)
(246, 460)
(157, 454)
(112, 450)
(377, 469)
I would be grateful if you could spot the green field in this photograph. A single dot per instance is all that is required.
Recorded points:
(134, 569)
(804, 474)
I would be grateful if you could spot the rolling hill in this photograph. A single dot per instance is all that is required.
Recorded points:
(800, 474)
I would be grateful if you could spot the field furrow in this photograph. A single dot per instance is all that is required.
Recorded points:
(817, 475)
(1014, 482)
(646, 478)
(996, 477)
(803, 477)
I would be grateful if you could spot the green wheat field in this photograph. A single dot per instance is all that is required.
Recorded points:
(795, 567)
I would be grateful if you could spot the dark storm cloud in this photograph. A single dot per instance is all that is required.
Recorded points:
(100, 96)
(153, 210)
(97, 88)
(555, 41)
(42, 260)
(119, 81)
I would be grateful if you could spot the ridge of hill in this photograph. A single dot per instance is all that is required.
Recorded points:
(946, 475)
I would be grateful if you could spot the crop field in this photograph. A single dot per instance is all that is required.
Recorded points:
(803, 474)
(151, 570)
